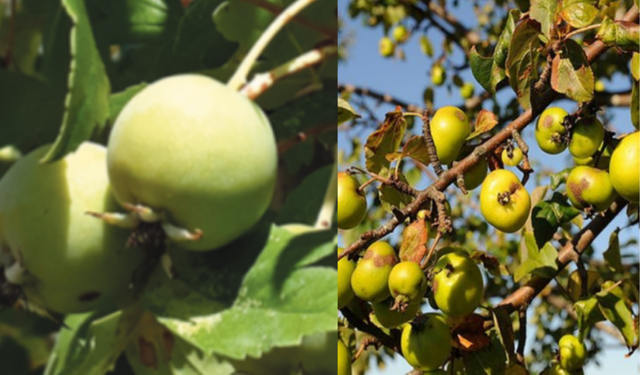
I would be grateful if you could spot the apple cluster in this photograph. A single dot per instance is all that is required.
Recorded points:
(603, 170)
(181, 157)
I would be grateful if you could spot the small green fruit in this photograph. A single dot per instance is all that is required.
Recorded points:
(458, 288)
(587, 186)
(514, 159)
(438, 75)
(407, 279)
(549, 130)
(345, 270)
(386, 47)
(344, 359)
(352, 205)
(504, 202)
(625, 168)
(475, 175)
(426, 342)
(587, 135)
(400, 34)
(600, 86)
(449, 130)
(388, 318)
(572, 353)
(370, 279)
(467, 90)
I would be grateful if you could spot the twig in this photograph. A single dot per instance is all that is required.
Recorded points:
(263, 81)
(522, 334)
(578, 31)
(382, 337)
(431, 147)
(239, 78)
(286, 144)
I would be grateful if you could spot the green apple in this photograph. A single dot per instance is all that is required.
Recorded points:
(458, 288)
(426, 342)
(438, 75)
(586, 136)
(408, 281)
(550, 130)
(352, 205)
(389, 318)
(467, 90)
(370, 279)
(514, 159)
(400, 34)
(590, 187)
(449, 130)
(386, 47)
(572, 353)
(504, 202)
(344, 359)
(345, 270)
(625, 168)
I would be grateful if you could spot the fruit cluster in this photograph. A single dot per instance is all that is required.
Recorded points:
(174, 162)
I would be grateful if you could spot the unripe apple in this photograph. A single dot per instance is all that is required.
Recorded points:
(550, 130)
(599, 86)
(475, 175)
(386, 47)
(587, 186)
(504, 202)
(345, 270)
(344, 359)
(467, 90)
(71, 262)
(407, 280)
(400, 34)
(438, 75)
(514, 159)
(625, 168)
(458, 288)
(587, 135)
(198, 152)
(370, 279)
(426, 342)
(352, 205)
(572, 353)
(449, 130)
(389, 318)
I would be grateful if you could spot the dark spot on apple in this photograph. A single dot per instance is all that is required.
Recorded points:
(460, 115)
(89, 296)
(547, 122)
(167, 339)
(384, 260)
(577, 189)
(148, 355)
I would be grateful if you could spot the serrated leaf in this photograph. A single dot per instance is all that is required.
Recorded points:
(571, 73)
(154, 350)
(87, 101)
(345, 112)
(414, 241)
(426, 46)
(548, 216)
(544, 11)
(416, 149)
(485, 121)
(618, 312)
(521, 60)
(579, 13)
(289, 298)
(383, 141)
(541, 262)
(612, 255)
(588, 313)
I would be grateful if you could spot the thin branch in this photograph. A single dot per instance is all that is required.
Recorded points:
(286, 144)
(431, 147)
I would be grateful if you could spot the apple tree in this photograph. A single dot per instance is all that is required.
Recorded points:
(167, 187)
(497, 234)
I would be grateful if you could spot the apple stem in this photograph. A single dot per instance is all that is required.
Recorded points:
(263, 81)
(239, 78)
(325, 216)
(124, 220)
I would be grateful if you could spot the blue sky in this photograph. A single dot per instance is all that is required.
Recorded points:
(407, 79)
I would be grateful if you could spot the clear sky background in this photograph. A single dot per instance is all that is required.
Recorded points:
(407, 79)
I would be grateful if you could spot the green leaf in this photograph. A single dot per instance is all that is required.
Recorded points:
(481, 67)
(118, 100)
(579, 13)
(504, 330)
(571, 73)
(288, 297)
(544, 11)
(617, 311)
(304, 113)
(93, 343)
(489, 361)
(134, 21)
(521, 60)
(31, 110)
(504, 40)
(383, 141)
(87, 102)
(390, 197)
(547, 216)
(612, 255)
(559, 178)
(416, 149)
(541, 262)
(588, 313)
(304, 202)
(345, 112)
